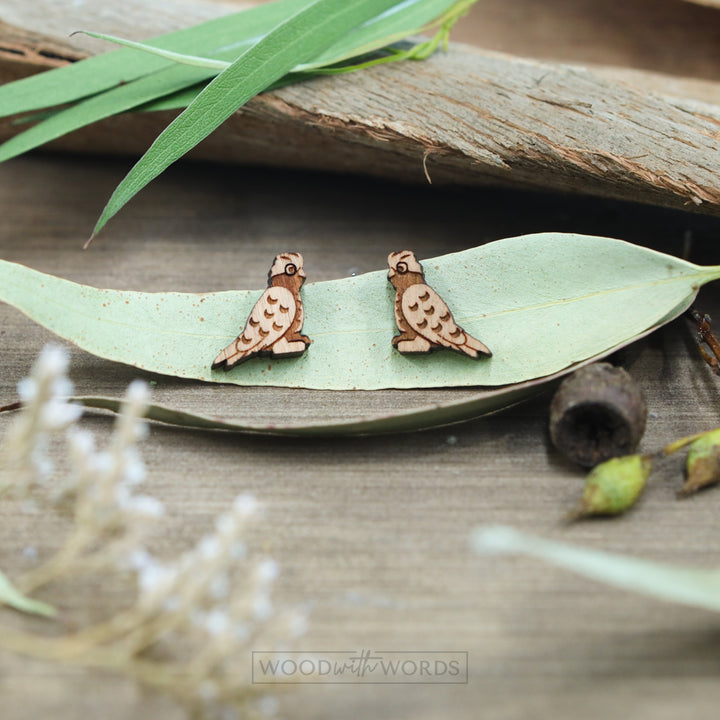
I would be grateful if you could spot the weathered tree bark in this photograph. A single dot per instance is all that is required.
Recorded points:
(466, 116)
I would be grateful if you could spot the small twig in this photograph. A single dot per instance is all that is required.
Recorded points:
(12, 406)
(425, 167)
(705, 335)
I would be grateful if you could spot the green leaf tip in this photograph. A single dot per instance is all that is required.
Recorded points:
(690, 586)
(12, 597)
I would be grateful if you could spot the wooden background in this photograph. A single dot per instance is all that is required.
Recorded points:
(373, 532)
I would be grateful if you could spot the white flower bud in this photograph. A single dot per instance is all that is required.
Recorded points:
(217, 622)
(146, 506)
(52, 360)
(57, 415)
(209, 547)
(27, 390)
(268, 571)
(238, 550)
(220, 586)
(262, 606)
(226, 525)
(155, 582)
(137, 394)
(245, 505)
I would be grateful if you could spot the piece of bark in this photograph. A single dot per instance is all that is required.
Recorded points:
(464, 117)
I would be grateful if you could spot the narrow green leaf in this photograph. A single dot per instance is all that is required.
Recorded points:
(689, 586)
(166, 88)
(541, 303)
(95, 74)
(383, 31)
(297, 39)
(119, 99)
(10, 595)
(406, 18)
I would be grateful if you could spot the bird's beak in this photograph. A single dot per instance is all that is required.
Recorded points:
(391, 273)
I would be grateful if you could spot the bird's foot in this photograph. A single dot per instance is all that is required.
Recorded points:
(403, 337)
(416, 345)
(286, 347)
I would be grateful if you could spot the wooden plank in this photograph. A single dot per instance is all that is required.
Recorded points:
(373, 532)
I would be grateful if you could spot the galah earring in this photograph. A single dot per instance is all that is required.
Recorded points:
(423, 319)
(274, 326)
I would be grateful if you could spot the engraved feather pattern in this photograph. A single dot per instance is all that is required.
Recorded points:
(275, 322)
(423, 318)
(428, 315)
(269, 320)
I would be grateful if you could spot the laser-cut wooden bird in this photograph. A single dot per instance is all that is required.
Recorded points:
(274, 326)
(423, 319)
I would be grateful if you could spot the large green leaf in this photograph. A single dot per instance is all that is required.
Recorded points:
(299, 38)
(540, 302)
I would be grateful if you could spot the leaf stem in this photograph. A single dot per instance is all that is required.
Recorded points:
(193, 60)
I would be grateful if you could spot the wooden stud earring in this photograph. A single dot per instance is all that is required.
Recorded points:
(423, 319)
(275, 323)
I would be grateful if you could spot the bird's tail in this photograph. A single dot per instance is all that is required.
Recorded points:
(230, 356)
(474, 348)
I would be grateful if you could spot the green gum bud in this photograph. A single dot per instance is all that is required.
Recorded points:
(613, 486)
(703, 463)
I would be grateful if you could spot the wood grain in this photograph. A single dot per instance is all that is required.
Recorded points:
(373, 532)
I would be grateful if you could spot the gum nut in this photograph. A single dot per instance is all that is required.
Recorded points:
(613, 486)
(703, 463)
(596, 414)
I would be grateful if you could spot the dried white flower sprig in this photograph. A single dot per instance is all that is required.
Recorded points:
(201, 612)
(46, 412)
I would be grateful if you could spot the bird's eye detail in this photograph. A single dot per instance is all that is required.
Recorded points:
(402, 267)
(290, 269)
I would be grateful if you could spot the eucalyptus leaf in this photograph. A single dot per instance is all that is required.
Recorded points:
(166, 88)
(275, 44)
(96, 74)
(405, 18)
(405, 420)
(437, 414)
(689, 586)
(299, 38)
(11, 596)
(541, 303)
